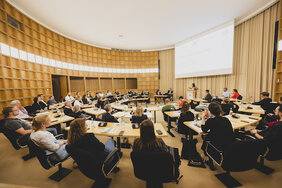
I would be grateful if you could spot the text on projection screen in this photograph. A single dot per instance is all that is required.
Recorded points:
(208, 54)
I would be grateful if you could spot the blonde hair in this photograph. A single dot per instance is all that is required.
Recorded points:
(77, 130)
(139, 111)
(38, 121)
(76, 108)
(15, 102)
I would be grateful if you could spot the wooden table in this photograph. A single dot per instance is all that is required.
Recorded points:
(58, 120)
(115, 128)
(237, 123)
(123, 107)
(241, 122)
(127, 115)
(161, 96)
(175, 114)
(255, 109)
(203, 106)
(199, 100)
(55, 106)
(94, 111)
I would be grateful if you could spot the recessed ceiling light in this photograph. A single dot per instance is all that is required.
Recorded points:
(120, 36)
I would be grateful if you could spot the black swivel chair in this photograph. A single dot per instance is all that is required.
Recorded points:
(15, 138)
(240, 156)
(155, 168)
(240, 97)
(30, 110)
(49, 161)
(93, 168)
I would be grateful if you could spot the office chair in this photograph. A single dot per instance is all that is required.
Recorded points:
(93, 168)
(240, 156)
(155, 168)
(49, 161)
(15, 139)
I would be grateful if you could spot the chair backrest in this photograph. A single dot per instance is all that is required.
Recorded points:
(87, 163)
(153, 166)
(240, 97)
(242, 155)
(39, 153)
(12, 136)
(29, 109)
(275, 147)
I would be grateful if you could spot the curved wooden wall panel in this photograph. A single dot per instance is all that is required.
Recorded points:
(23, 80)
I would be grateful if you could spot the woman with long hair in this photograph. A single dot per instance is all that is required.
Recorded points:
(139, 115)
(148, 140)
(185, 115)
(219, 129)
(79, 137)
(44, 139)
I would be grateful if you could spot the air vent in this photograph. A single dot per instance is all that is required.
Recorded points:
(15, 23)
(117, 49)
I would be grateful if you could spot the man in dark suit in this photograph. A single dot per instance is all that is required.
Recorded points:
(265, 101)
(68, 110)
(107, 117)
(42, 103)
(208, 96)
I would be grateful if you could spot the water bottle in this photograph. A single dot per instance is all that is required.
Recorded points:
(231, 111)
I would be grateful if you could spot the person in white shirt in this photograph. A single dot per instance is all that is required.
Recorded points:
(45, 139)
(78, 101)
(225, 93)
(101, 94)
(109, 93)
(69, 97)
(23, 114)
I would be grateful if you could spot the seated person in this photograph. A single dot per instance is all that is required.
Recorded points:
(170, 93)
(107, 117)
(100, 94)
(226, 106)
(45, 140)
(219, 129)
(261, 134)
(88, 96)
(182, 100)
(157, 99)
(36, 106)
(225, 93)
(77, 94)
(100, 103)
(85, 100)
(168, 106)
(208, 96)
(109, 94)
(116, 92)
(23, 114)
(77, 111)
(235, 94)
(68, 109)
(79, 137)
(69, 97)
(139, 115)
(21, 128)
(51, 101)
(42, 103)
(265, 101)
(148, 140)
(78, 101)
(185, 115)
(270, 134)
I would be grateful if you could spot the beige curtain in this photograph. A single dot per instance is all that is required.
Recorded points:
(252, 61)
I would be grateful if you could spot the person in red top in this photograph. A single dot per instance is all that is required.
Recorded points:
(182, 100)
(235, 94)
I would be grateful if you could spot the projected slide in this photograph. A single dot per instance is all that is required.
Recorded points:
(210, 53)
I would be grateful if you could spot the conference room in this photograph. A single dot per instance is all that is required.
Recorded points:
(140, 93)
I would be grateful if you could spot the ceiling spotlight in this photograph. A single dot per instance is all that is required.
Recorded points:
(120, 36)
